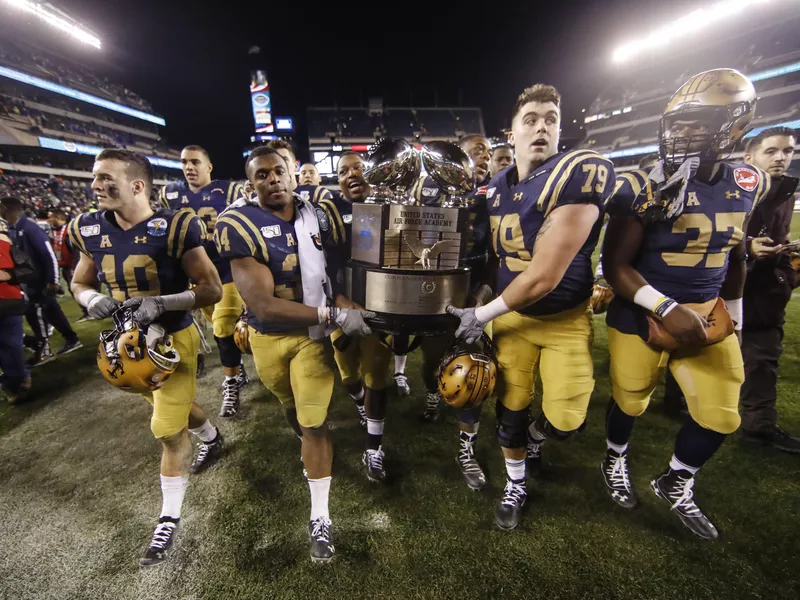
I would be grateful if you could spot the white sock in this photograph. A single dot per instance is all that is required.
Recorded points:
(320, 489)
(206, 432)
(515, 469)
(619, 449)
(677, 465)
(172, 491)
(358, 396)
(375, 426)
(400, 363)
(536, 435)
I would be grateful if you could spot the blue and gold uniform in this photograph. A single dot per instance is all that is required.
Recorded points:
(313, 193)
(291, 365)
(553, 335)
(686, 259)
(145, 260)
(364, 357)
(208, 203)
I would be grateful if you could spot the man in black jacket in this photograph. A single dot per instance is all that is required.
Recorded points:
(43, 308)
(768, 289)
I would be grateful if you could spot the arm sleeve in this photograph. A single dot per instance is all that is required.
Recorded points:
(627, 188)
(185, 233)
(75, 237)
(162, 197)
(235, 236)
(581, 177)
(331, 224)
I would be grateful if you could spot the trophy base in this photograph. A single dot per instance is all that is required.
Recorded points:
(408, 301)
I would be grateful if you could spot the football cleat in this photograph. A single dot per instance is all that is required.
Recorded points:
(362, 415)
(207, 454)
(242, 377)
(70, 346)
(776, 437)
(675, 488)
(321, 538)
(618, 483)
(41, 356)
(230, 397)
(470, 469)
(373, 460)
(431, 413)
(533, 457)
(201, 365)
(161, 544)
(509, 510)
(403, 389)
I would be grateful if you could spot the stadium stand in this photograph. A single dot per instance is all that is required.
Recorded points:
(622, 122)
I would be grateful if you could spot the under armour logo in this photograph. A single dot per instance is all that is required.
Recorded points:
(206, 198)
(140, 240)
(517, 196)
(734, 194)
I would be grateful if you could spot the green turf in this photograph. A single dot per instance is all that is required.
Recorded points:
(79, 495)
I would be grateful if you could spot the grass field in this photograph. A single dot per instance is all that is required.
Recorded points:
(79, 495)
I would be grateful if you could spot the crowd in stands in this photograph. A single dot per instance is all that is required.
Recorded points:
(40, 194)
(402, 122)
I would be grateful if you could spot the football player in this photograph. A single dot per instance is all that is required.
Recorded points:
(288, 154)
(200, 195)
(272, 260)
(674, 248)
(146, 260)
(548, 206)
(478, 148)
(502, 157)
(364, 363)
(309, 175)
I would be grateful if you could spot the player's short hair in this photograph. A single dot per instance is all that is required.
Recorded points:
(472, 136)
(136, 165)
(345, 155)
(11, 202)
(645, 160)
(538, 92)
(308, 163)
(282, 144)
(59, 213)
(756, 140)
(502, 147)
(260, 151)
(196, 148)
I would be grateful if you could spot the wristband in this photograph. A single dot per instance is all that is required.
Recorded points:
(651, 299)
(87, 297)
(736, 309)
(322, 315)
(489, 312)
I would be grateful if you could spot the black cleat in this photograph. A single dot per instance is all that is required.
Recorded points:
(230, 397)
(373, 460)
(207, 454)
(431, 413)
(470, 469)
(618, 483)
(776, 437)
(201, 365)
(321, 538)
(160, 546)
(242, 377)
(533, 457)
(675, 488)
(401, 381)
(362, 415)
(509, 510)
(70, 346)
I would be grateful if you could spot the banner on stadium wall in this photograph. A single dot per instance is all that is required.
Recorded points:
(261, 102)
(89, 150)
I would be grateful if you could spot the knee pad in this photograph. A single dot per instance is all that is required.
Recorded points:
(229, 354)
(546, 428)
(511, 425)
(470, 415)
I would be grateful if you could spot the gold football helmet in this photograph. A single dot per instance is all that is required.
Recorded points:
(602, 295)
(468, 373)
(241, 335)
(132, 362)
(721, 102)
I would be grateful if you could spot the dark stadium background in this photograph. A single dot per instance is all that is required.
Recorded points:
(190, 59)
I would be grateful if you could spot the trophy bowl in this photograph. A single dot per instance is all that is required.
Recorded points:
(392, 167)
(451, 169)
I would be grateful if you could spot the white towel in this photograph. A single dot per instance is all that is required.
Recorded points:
(317, 287)
(680, 178)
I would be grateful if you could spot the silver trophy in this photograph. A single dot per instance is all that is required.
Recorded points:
(452, 170)
(392, 167)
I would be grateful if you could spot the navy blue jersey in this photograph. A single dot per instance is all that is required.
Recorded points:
(340, 211)
(207, 203)
(686, 258)
(145, 260)
(252, 231)
(313, 193)
(426, 191)
(518, 209)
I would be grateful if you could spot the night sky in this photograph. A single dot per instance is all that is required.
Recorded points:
(192, 62)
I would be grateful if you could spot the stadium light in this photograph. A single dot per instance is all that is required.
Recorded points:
(691, 23)
(46, 14)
